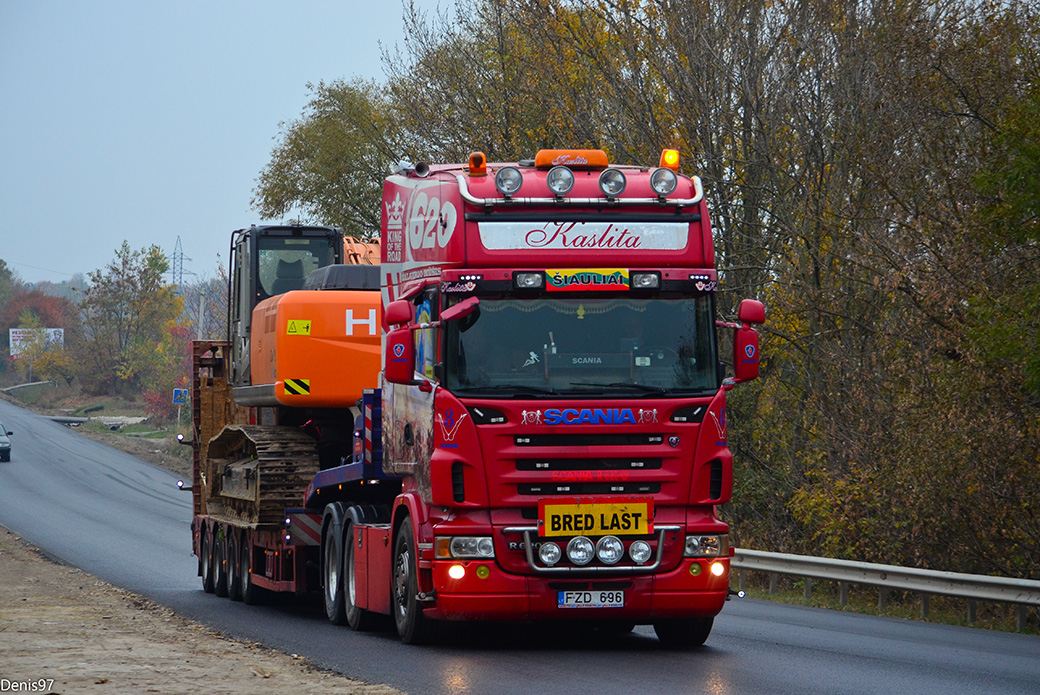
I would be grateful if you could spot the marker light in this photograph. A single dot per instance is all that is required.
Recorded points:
(456, 571)
(477, 164)
(663, 181)
(508, 181)
(612, 182)
(560, 181)
(670, 160)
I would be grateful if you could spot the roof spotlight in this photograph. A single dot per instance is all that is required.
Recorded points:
(612, 182)
(560, 181)
(508, 181)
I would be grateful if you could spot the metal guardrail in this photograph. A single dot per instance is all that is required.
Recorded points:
(973, 587)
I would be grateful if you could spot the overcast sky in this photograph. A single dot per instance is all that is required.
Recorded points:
(145, 120)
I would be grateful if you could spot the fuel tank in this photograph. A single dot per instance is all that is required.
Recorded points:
(315, 348)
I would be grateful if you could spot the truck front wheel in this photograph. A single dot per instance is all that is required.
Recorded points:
(412, 625)
(683, 633)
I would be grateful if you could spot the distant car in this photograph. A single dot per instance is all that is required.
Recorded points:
(5, 443)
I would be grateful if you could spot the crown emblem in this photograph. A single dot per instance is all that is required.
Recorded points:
(395, 214)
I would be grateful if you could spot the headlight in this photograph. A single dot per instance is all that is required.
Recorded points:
(609, 550)
(560, 181)
(508, 181)
(465, 547)
(549, 553)
(639, 551)
(580, 551)
(663, 181)
(612, 182)
(706, 546)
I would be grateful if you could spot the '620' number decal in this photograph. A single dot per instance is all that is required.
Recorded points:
(430, 223)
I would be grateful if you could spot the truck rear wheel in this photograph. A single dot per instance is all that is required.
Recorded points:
(250, 592)
(412, 626)
(206, 561)
(220, 563)
(358, 618)
(333, 579)
(234, 583)
(683, 633)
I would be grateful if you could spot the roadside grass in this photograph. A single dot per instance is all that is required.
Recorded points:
(905, 605)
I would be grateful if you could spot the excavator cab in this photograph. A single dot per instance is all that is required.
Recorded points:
(268, 261)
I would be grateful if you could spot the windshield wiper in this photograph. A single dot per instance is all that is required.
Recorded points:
(521, 388)
(626, 385)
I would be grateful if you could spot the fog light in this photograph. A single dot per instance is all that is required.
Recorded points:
(609, 550)
(456, 571)
(549, 553)
(483, 572)
(528, 281)
(645, 281)
(718, 569)
(580, 551)
(639, 552)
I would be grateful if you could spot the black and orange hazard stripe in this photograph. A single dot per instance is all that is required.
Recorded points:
(297, 387)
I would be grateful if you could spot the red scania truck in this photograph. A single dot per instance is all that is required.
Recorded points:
(545, 438)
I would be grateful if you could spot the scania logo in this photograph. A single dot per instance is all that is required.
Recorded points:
(589, 416)
(398, 350)
(749, 351)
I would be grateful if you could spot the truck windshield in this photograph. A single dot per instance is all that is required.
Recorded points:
(583, 345)
(283, 263)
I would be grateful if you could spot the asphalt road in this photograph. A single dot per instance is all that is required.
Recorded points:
(124, 520)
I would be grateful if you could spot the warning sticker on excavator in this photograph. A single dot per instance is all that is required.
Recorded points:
(298, 327)
(297, 387)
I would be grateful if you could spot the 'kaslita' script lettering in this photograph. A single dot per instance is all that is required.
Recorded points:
(565, 235)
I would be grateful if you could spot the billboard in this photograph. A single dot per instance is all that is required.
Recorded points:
(19, 336)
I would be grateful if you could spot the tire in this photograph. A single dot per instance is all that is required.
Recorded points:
(234, 583)
(220, 563)
(206, 562)
(332, 578)
(412, 626)
(251, 593)
(683, 633)
(358, 618)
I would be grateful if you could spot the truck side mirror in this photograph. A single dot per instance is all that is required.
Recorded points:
(745, 353)
(398, 312)
(751, 311)
(745, 340)
(399, 362)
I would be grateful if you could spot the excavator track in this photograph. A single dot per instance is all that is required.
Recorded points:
(255, 472)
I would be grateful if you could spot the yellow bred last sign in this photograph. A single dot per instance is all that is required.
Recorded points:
(577, 517)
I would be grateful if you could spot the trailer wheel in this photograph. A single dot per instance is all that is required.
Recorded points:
(206, 561)
(683, 633)
(412, 626)
(234, 583)
(333, 580)
(358, 618)
(250, 592)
